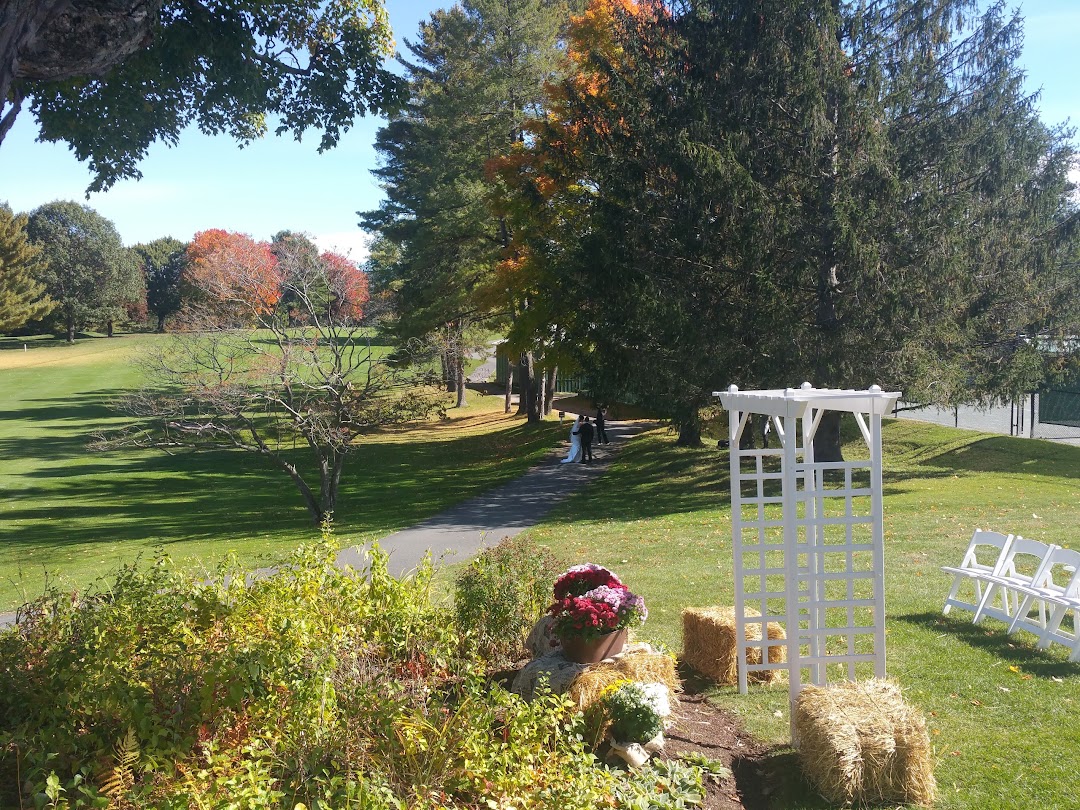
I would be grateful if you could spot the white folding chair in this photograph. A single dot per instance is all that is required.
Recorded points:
(1057, 630)
(1023, 566)
(984, 556)
(1058, 589)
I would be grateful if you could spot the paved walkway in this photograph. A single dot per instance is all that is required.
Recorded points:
(463, 530)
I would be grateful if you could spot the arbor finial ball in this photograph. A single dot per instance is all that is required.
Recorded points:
(875, 389)
(806, 386)
(733, 389)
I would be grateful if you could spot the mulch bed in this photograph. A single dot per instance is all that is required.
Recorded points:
(703, 728)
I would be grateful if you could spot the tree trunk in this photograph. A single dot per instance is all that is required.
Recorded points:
(511, 370)
(689, 436)
(459, 377)
(541, 391)
(109, 328)
(161, 323)
(71, 329)
(827, 439)
(522, 385)
(330, 467)
(528, 389)
(313, 505)
(549, 389)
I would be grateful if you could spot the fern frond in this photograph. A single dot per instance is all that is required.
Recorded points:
(119, 779)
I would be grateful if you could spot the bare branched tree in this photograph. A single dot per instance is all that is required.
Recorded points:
(307, 378)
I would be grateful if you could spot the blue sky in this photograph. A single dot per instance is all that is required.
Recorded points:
(278, 183)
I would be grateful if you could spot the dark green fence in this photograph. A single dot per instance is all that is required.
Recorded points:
(564, 383)
(1060, 406)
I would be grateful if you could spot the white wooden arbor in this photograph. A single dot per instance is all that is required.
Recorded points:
(807, 536)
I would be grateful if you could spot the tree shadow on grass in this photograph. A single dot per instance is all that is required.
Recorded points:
(991, 636)
(42, 342)
(223, 495)
(62, 426)
(1006, 454)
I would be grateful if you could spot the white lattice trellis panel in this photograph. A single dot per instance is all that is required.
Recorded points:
(808, 536)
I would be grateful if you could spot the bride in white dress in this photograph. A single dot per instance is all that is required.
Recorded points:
(575, 442)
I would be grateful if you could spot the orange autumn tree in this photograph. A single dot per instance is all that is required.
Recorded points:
(548, 188)
(234, 276)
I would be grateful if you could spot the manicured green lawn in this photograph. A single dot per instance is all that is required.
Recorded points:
(1002, 715)
(77, 514)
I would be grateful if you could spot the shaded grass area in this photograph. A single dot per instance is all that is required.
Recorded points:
(1002, 715)
(66, 510)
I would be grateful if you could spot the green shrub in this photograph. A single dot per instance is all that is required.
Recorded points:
(501, 595)
(313, 686)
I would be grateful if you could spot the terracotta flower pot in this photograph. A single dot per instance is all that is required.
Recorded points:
(594, 650)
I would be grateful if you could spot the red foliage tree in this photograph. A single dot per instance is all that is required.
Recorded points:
(234, 274)
(348, 286)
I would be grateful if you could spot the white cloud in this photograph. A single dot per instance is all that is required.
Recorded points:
(351, 244)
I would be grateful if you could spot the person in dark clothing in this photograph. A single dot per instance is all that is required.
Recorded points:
(601, 434)
(586, 440)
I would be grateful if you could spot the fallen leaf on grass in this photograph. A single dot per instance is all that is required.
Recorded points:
(1004, 689)
(1056, 679)
(976, 702)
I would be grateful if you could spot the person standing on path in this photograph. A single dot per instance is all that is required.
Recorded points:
(575, 442)
(586, 439)
(601, 434)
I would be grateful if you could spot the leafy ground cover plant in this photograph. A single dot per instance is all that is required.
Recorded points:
(633, 717)
(312, 687)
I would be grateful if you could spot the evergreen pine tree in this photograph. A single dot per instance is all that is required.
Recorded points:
(22, 295)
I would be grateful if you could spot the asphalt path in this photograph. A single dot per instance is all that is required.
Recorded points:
(464, 530)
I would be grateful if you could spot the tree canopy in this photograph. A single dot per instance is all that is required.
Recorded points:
(149, 69)
(764, 193)
(476, 74)
(235, 276)
(163, 262)
(90, 274)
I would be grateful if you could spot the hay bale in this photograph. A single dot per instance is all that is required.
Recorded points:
(639, 663)
(859, 743)
(709, 644)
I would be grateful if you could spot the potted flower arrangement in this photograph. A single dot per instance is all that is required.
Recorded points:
(635, 713)
(592, 612)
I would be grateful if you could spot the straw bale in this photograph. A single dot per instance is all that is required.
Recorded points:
(641, 665)
(709, 644)
(860, 743)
